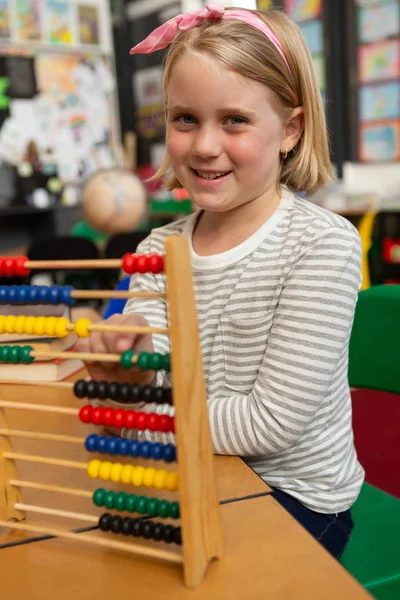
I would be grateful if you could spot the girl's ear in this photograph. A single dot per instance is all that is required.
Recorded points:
(292, 130)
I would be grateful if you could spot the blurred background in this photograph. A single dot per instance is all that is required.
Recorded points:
(81, 121)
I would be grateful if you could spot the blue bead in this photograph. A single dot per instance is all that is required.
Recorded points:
(54, 294)
(65, 296)
(43, 294)
(145, 450)
(33, 294)
(23, 294)
(134, 448)
(3, 294)
(124, 447)
(12, 294)
(169, 453)
(91, 443)
(112, 445)
(156, 451)
(102, 444)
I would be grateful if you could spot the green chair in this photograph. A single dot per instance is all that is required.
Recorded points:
(373, 553)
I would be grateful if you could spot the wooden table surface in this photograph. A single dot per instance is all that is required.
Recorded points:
(267, 554)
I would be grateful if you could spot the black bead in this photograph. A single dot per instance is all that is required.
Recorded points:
(158, 531)
(105, 522)
(113, 389)
(127, 526)
(178, 536)
(146, 393)
(167, 395)
(123, 392)
(137, 527)
(92, 389)
(158, 395)
(134, 391)
(102, 390)
(169, 533)
(80, 388)
(116, 524)
(147, 529)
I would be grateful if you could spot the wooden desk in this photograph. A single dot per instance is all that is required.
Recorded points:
(266, 551)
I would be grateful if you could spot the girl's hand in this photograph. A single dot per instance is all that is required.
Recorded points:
(117, 343)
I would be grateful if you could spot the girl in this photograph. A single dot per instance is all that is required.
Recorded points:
(276, 278)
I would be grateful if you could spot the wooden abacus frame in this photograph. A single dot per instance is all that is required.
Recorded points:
(200, 517)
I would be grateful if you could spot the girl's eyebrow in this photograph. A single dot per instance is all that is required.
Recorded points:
(231, 110)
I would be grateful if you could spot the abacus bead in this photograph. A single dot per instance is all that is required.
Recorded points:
(93, 468)
(169, 453)
(62, 327)
(163, 509)
(160, 479)
(116, 471)
(137, 527)
(155, 264)
(26, 357)
(147, 530)
(145, 449)
(130, 419)
(164, 423)
(4, 353)
(102, 390)
(82, 327)
(137, 475)
(126, 474)
(172, 482)
(97, 415)
(85, 413)
(9, 323)
(14, 355)
(3, 294)
(50, 326)
(43, 294)
(173, 510)
(105, 522)
(113, 389)
(112, 445)
(33, 294)
(19, 325)
(91, 443)
(152, 507)
(116, 524)
(120, 501)
(158, 532)
(149, 475)
(22, 294)
(108, 415)
(118, 418)
(178, 536)
(152, 422)
(141, 505)
(156, 451)
(143, 361)
(126, 527)
(135, 391)
(134, 449)
(80, 388)
(19, 268)
(9, 267)
(130, 503)
(39, 325)
(168, 395)
(141, 420)
(54, 294)
(123, 392)
(65, 295)
(105, 470)
(98, 497)
(102, 444)
(146, 393)
(157, 395)
(169, 534)
(12, 294)
(166, 362)
(142, 263)
(156, 361)
(109, 499)
(91, 389)
(126, 359)
(129, 263)
(124, 446)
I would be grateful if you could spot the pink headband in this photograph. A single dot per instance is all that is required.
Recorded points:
(162, 36)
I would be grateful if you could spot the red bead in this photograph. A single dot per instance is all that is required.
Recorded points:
(172, 425)
(118, 418)
(152, 422)
(9, 267)
(107, 417)
(130, 419)
(2, 259)
(20, 270)
(156, 263)
(164, 423)
(85, 413)
(97, 415)
(141, 420)
(129, 263)
(142, 263)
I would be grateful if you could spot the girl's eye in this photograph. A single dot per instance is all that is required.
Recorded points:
(186, 119)
(235, 120)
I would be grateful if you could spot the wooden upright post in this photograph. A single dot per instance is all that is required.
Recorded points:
(9, 495)
(200, 517)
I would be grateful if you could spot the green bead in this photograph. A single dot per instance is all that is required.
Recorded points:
(163, 509)
(152, 507)
(14, 354)
(141, 505)
(174, 511)
(130, 504)
(126, 359)
(4, 352)
(166, 362)
(120, 501)
(109, 499)
(156, 361)
(26, 357)
(144, 361)
(98, 497)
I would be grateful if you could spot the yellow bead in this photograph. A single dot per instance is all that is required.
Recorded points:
(62, 327)
(9, 324)
(160, 479)
(116, 471)
(30, 324)
(149, 475)
(137, 476)
(19, 325)
(2, 323)
(39, 325)
(105, 470)
(126, 474)
(172, 483)
(81, 327)
(93, 468)
(50, 326)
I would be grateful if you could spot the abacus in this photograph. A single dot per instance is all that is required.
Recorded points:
(188, 473)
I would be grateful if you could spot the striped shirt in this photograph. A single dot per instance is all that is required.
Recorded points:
(275, 315)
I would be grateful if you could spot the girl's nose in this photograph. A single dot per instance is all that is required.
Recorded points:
(207, 143)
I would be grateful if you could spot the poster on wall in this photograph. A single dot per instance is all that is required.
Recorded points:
(4, 19)
(379, 102)
(380, 141)
(379, 61)
(58, 21)
(147, 91)
(301, 10)
(88, 24)
(28, 27)
(378, 22)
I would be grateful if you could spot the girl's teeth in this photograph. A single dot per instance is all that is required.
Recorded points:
(210, 175)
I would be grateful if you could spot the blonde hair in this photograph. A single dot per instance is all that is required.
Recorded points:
(248, 51)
